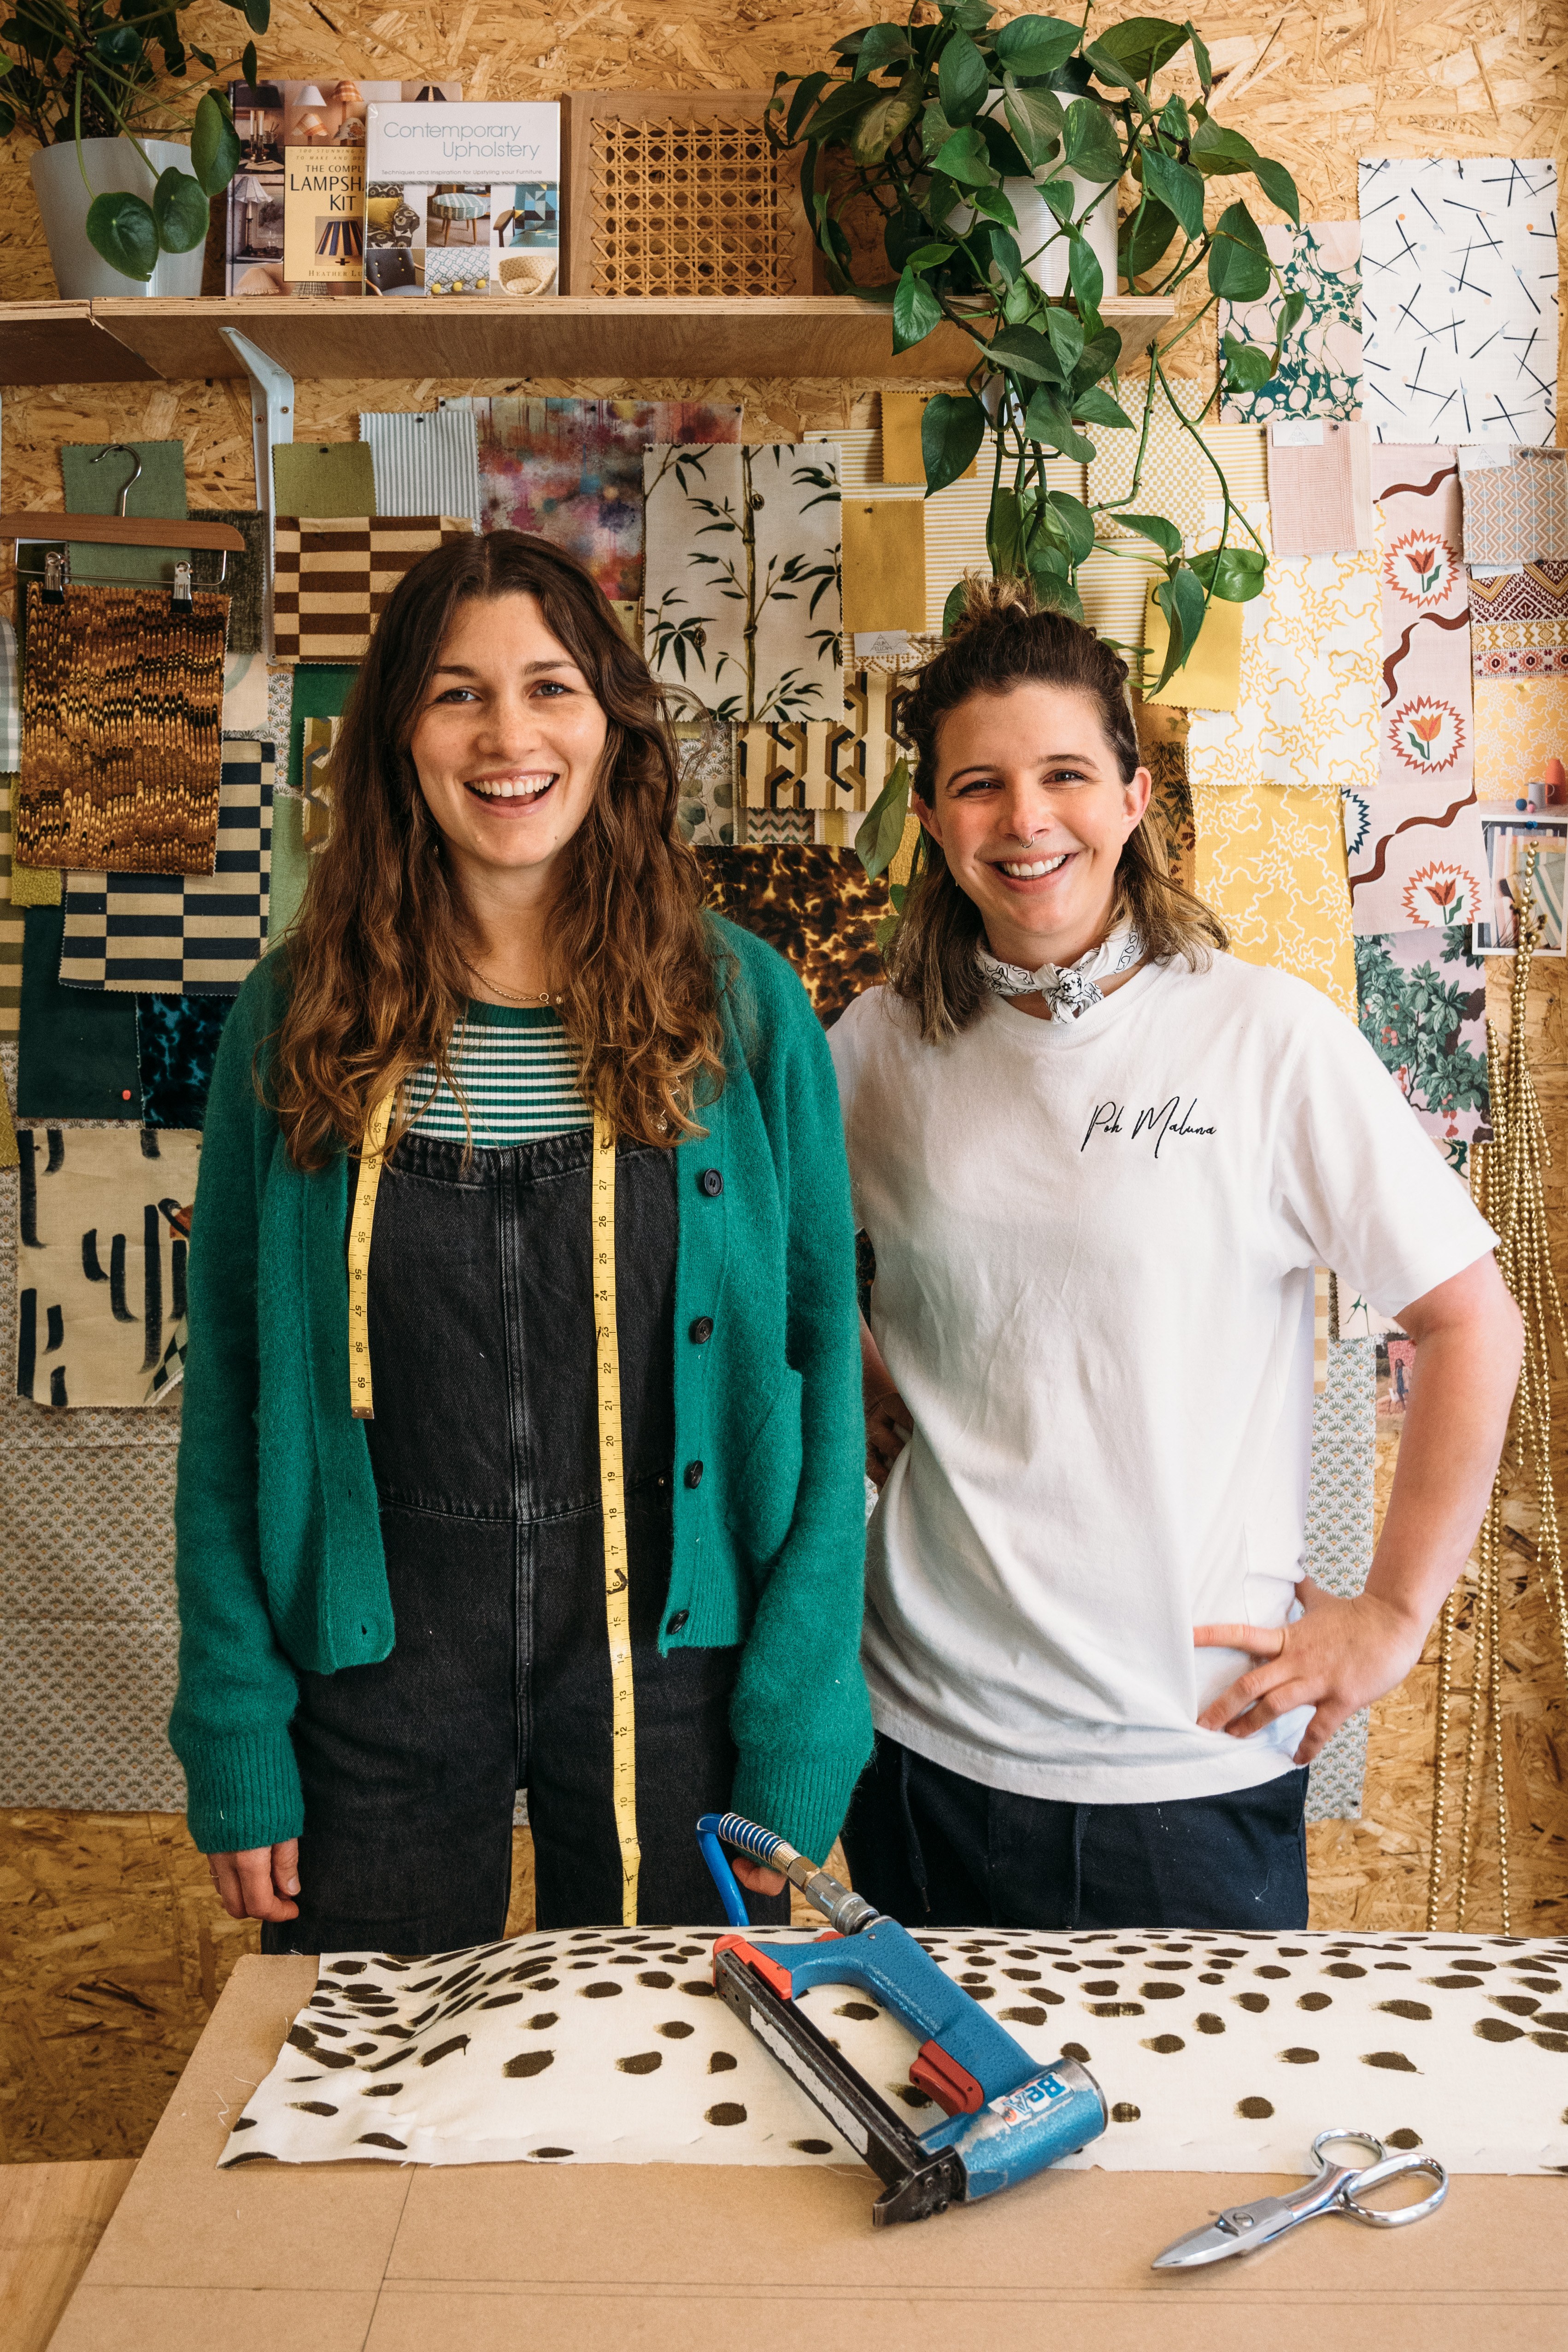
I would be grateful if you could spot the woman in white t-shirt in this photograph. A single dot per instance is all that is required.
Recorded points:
(1097, 1160)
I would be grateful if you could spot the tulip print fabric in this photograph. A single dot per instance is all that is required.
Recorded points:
(1320, 368)
(1458, 264)
(742, 603)
(1414, 839)
(1518, 622)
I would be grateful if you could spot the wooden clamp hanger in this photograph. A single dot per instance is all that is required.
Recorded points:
(42, 528)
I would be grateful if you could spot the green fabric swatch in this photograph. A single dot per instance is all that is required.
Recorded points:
(94, 489)
(321, 689)
(35, 886)
(243, 578)
(290, 868)
(323, 478)
(78, 1056)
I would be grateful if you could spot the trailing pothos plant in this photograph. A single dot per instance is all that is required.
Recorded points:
(71, 69)
(950, 126)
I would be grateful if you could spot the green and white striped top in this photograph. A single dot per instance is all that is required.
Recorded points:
(518, 1071)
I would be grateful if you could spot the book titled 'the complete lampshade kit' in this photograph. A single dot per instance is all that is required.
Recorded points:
(461, 199)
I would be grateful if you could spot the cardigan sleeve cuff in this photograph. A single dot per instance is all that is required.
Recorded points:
(243, 1792)
(802, 1799)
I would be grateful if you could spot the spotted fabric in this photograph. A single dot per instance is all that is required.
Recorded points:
(818, 907)
(1216, 2053)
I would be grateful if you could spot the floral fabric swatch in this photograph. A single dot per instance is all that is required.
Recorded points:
(1423, 999)
(571, 471)
(1320, 368)
(1520, 723)
(1271, 864)
(1413, 836)
(742, 601)
(1516, 512)
(1518, 622)
(1306, 715)
(706, 809)
(1459, 299)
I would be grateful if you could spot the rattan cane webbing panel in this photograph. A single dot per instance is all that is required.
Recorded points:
(681, 199)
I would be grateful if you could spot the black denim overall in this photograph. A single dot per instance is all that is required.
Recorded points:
(485, 1447)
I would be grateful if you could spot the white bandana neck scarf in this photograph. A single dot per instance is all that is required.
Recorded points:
(1076, 990)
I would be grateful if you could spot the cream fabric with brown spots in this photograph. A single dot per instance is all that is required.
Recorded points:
(1216, 2053)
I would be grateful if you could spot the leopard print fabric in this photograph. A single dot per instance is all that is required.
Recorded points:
(818, 907)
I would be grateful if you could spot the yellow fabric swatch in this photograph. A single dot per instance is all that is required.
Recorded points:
(35, 885)
(903, 458)
(885, 564)
(10, 1151)
(1520, 723)
(1271, 864)
(1211, 678)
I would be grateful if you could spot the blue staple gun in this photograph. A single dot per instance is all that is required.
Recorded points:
(1008, 2117)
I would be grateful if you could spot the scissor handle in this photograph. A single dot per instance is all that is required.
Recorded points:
(1349, 2199)
(1357, 2139)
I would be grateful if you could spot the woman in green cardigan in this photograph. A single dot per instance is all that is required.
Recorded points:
(501, 1031)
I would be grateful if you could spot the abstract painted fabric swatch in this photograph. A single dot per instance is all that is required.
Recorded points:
(1306, 713)
(742, 603)
(571, 471)
(1458, 265)
(1423, 999)
(1520, 723)
(1271, 865)
(1518, 622)
(1320, 368)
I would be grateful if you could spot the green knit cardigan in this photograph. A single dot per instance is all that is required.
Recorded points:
(279, 1561)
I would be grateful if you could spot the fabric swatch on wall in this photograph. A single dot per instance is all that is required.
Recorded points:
(1337, 1551)
(323, 478)
(741, 598)
(1422, 1000)
(1517, 512)
(321, 691)
(244, 574)
(768, 828)
(190, 935)
(101, 1267)
(10, 1151)
(290, 865)
(279, 703)
(1178, 480)
(1320, 367)
(1518, 622)
(1170, 805)
(176, 1048)
(1210, 676)
(94, 473)
(13, 921)
(818, 907)
(795, 766)
(331, 578)
(426, 461)
(318, 741)
(1306, 712)
(1271, 865)
(1320, 495)
(902, 453)
(10, 703)
(884, 564)
(706, 812)
(571, 471)
(78, 1046)
(35, 886)
(1459, 299)
(246, 697)
(1520, 723)
(120, 710)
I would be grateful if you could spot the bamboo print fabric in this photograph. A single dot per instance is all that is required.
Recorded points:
(101, 1265)
(426, 461)
(192, 935)
(332, 576)
(1516, 512)
(1320, 367)
(1459, 262)
(741, 600)
(571, 471)
(1518, 622)
(1413, 839)
(121, 704)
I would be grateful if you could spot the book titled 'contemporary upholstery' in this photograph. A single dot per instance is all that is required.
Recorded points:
(463, 199)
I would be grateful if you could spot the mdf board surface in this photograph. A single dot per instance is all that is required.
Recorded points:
(694, 2259)
(51, 2219)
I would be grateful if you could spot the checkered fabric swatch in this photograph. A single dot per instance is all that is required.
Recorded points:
(332, 576)
(182, 934)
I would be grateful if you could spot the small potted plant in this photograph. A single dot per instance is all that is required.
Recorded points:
(125, 209)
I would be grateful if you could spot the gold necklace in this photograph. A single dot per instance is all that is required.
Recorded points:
(538, 996)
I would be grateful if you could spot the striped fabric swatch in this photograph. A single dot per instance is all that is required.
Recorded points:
(12, 923)
(517, 1068)
(10, 703)
(332, 576)
(182, 934)
(426, 462)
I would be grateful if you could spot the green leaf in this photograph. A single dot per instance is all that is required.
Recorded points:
(1090, 144)
(963, 159)
(1111, 71)
(1063, 198)
(1085, 276)
(1201, 58)
(1238, 258)
(916, 310)
(884, 45)
(1036, 120)
(1215, 151)
(1176, 123)
(117, 44)
(121, 228)
(1035, 45)
(1066, 334)
(995, 207)
(1292, 309)
(963, 79)
(1006, 157)
(250, 71)
(1095, 406)
(935, 131)
(1143, 44)
(841, 108)
(1047, 421)
(1177, 186)
(1054, 590)
(214, 146)
(180, 212)
(1144, 237)
(1023, 350)
(1235, 574)
(1278, 186)
(1077, 524)
(1003, 534)
(1181, 600)
(809, 89)
(883, 124)
(1164, 535)
(996, 250)
(1248, 367)
(257, 14)
(953, 608)
(1101, 353)
(952, 428)
(929, 257)
(876, 842)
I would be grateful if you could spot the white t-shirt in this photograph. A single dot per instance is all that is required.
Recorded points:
(1094, 1249)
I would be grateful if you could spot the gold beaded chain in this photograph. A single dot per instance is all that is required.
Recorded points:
(1507, 1184)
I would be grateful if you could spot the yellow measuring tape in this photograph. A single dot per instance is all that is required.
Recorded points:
(612, 1483)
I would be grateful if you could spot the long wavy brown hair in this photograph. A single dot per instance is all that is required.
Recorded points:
(376, 976)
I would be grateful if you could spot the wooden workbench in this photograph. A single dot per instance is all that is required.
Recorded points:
(694, 2259)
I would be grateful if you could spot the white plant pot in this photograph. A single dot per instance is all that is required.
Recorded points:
(112, 165)
(1037, 222)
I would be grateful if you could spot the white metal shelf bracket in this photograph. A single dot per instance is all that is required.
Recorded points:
(271, 419)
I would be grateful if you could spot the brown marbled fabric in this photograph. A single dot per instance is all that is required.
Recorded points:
(817, 905)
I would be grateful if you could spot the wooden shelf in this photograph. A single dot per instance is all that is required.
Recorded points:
(145, 339)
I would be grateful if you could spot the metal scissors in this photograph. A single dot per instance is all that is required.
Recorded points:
(1337, 2189)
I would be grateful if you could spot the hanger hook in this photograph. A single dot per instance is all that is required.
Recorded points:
(120, 449)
